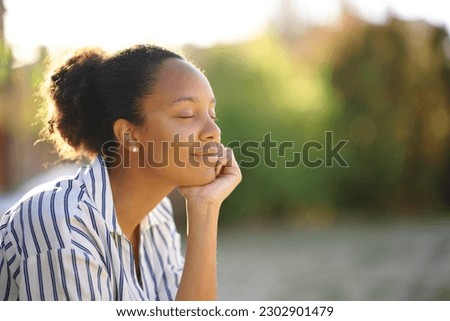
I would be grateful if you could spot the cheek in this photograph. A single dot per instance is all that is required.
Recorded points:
(158, 145)
(170, 153)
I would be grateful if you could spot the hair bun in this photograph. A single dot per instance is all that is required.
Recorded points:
(72, 89)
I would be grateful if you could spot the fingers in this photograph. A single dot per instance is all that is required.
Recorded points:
(221, 161)
(224, 159)
(233, 168)
(218, 167)
(227, 165)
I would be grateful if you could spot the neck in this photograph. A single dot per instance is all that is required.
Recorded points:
(135, 192)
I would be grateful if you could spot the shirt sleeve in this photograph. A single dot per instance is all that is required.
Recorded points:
(50, 257)
(63, 274)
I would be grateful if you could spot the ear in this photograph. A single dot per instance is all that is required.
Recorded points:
(124, 133)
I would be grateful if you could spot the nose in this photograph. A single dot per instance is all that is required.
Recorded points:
(210, 131)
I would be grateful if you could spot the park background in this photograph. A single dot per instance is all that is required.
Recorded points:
(375, 75)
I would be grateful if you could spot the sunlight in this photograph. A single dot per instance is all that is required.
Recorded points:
(60, 25)
(114, 24)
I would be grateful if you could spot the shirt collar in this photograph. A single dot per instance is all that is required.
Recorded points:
(98, 187)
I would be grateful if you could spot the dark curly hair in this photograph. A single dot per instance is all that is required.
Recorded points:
(91, 90)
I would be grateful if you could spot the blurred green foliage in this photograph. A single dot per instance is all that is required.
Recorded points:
(393, 82)
(385, 88)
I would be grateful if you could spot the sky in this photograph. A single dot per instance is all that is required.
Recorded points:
(115, 24)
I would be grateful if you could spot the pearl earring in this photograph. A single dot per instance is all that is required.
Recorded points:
(134, 149)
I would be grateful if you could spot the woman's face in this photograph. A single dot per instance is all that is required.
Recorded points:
(180, 135)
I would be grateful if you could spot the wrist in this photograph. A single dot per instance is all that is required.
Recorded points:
(202, 208)
(200, 202)
(202, 217)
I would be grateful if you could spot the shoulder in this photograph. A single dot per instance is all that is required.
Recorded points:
(62, 192)
(40, 219)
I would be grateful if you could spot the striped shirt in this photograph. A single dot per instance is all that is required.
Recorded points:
(62, 241)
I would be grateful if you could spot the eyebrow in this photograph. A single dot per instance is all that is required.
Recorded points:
(191, 99)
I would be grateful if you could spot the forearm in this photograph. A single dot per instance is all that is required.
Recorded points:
(199, 280)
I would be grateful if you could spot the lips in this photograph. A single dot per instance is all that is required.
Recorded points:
(206, 154)
(212, 152)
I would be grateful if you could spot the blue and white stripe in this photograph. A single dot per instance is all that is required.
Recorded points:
(62, 241)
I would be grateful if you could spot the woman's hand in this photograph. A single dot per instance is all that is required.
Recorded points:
(228, 176)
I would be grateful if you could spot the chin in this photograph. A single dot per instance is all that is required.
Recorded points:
(200, 177)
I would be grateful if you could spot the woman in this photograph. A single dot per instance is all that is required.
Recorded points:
(146, 118)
